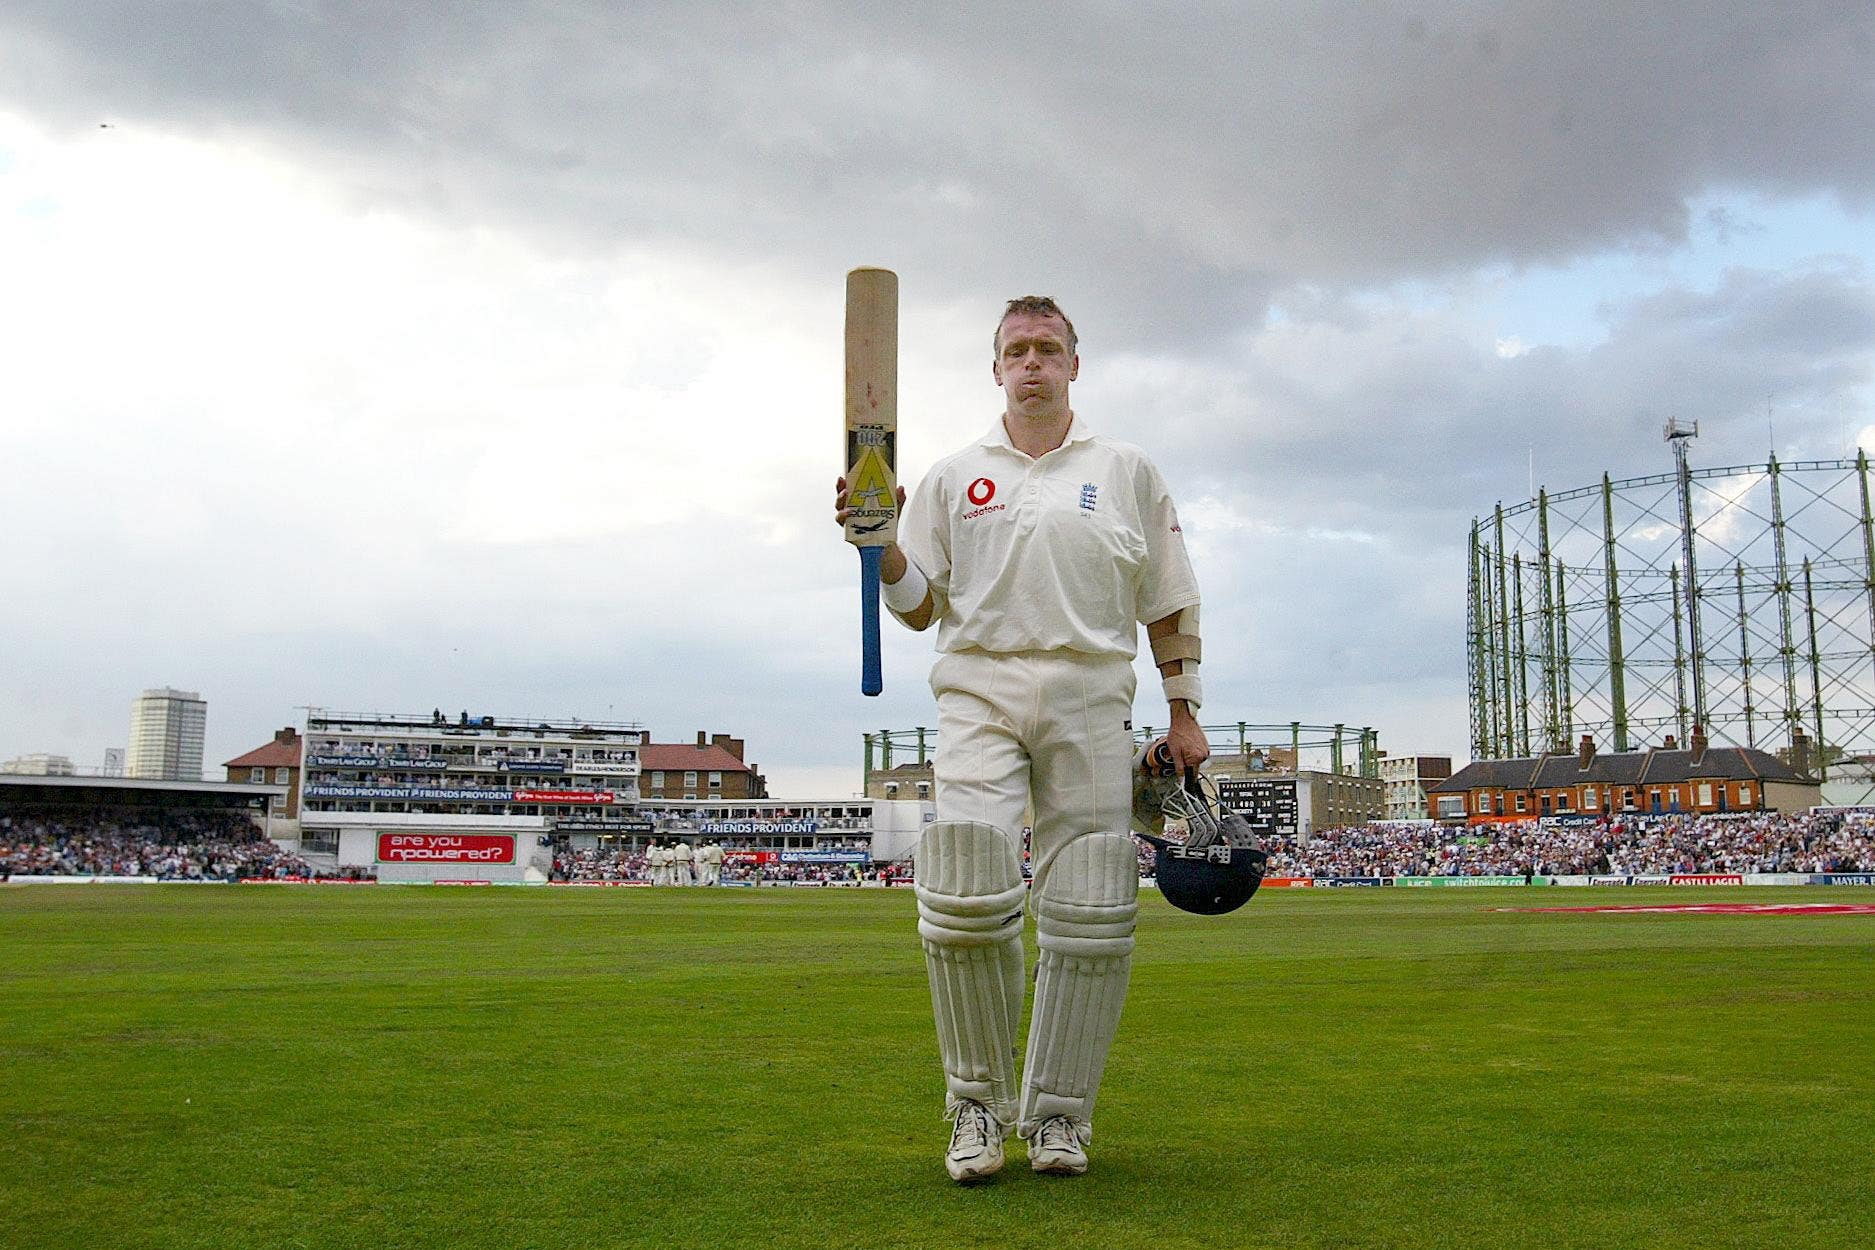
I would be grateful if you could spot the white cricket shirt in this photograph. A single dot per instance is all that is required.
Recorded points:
(1068, 551)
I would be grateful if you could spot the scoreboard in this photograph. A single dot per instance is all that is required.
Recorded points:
(1267, 803)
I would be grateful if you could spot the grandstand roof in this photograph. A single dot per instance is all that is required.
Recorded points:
(18, 790)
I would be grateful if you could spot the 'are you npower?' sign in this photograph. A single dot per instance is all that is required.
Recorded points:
(445, 848)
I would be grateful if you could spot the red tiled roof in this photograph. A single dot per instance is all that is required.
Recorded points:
(274, 755)
(684, 756)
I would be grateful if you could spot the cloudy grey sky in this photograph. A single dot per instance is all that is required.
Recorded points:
(384, 357)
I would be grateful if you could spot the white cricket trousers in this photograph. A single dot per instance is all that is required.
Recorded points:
(1054, 727)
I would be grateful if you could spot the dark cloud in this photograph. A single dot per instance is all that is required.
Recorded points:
(1169, 172)
(1185, 161)
(1330, 471)
(1369, 423)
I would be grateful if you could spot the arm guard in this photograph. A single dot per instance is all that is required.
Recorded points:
(1181, 648)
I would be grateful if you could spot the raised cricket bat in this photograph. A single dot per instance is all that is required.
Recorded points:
(871, 444)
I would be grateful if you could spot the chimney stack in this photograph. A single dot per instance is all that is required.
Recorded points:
(1671, 744)
(701, 740)
(1800, 751)
(1698, 744)
(1585, 753)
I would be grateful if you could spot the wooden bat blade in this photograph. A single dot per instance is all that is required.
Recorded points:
(871, 443)
(872, 407)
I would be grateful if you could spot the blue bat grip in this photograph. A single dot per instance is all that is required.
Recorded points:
(871, 676)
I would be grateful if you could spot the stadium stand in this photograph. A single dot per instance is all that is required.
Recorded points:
(1763, 843)
(631, 866)
(165, 845)
(228, 846)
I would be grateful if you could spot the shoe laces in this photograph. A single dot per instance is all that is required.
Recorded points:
(1057, 1133)
(972, 1129)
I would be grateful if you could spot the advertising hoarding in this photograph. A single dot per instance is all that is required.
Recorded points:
(445, 848)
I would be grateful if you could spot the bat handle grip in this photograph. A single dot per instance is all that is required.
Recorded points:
(871, 674)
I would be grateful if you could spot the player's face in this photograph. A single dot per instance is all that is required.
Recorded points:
(1033, 364)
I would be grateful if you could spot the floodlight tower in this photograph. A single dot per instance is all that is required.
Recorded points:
(1679, 433)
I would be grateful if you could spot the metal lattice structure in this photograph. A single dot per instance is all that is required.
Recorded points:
(1341, 749)
(1739, 599)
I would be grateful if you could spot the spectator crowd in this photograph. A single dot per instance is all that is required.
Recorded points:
(738, 868)
(170, 846)
(1770, 842)
(228, 846)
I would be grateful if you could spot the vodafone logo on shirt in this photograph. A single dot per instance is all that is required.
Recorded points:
(980, 492)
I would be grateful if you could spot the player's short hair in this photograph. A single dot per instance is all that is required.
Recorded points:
(1038, 305)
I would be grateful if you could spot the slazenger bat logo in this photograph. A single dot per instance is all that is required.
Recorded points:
(869, 529)
(981, 491)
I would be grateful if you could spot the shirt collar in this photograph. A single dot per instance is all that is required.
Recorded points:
(998, 435)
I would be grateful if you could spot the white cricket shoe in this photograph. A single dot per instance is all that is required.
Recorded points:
(976, 1148)
(1056, 1149)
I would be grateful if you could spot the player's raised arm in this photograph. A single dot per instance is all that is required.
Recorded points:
(904, 586)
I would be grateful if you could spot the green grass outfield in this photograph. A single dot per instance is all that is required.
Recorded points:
(385, 1067)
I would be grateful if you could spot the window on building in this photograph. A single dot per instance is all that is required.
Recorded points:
(1590, 799)
(1744, 794)
(1564, 802)
(257, 775)
(657, 777)
(716, 781)
(690, 781)
(1520, 803)
(1705, 794)
(279, 776)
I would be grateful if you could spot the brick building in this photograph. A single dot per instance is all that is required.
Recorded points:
(710, 768)
(906, 781)
(278, 764)
(1658, 781)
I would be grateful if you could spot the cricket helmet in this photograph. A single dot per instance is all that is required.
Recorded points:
(1208, 881)
(1219, 864)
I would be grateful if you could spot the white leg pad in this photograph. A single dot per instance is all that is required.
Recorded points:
(1085, 908)
(970, 891)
